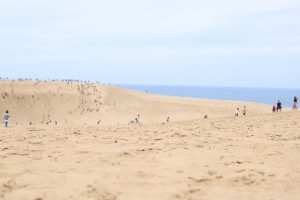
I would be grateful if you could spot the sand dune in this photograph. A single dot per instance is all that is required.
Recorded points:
(36, 103)
(189, 158)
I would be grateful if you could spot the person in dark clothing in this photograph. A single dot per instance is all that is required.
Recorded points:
(295, 106)
(279, 106)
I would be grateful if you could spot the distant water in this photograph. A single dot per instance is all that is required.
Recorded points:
(260, 95)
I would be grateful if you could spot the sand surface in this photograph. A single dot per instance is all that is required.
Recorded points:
(189, 158)
(255, 157)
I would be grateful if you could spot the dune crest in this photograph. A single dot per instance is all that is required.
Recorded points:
(40, 102)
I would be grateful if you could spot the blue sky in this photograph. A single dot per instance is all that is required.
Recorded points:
(169, 42)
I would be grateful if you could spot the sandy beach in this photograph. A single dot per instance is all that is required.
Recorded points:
(189, 158)
(149, 100)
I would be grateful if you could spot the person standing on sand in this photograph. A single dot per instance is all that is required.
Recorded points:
(279, 106)
(244, 111)
(5, 118)
(295, 106)
(237, 112)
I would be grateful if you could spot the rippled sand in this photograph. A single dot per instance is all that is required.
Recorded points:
(256, 157)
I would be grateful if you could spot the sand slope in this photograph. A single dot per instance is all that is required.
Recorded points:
(228, 158)
(84, 103)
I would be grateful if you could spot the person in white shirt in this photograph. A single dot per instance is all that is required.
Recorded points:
(237, 112)
(5, 118)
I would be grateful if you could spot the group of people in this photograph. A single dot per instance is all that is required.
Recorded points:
(136, 120)
(275, 108)
(278, 106)
(51, 80)
(237, 111)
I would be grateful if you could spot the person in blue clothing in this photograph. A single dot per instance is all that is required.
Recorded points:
(279, 106)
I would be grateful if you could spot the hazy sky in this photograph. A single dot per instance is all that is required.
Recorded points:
(174, 42)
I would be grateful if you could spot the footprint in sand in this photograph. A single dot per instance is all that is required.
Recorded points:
(97, 193)
(124, 154)
(201, 180)
(249, 179)
(8, 187)
(192, 194)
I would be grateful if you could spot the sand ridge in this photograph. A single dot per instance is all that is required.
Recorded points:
(84, 103)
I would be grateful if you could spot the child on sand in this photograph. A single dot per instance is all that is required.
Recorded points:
(5, 118)
(295, 106)
(274, 108)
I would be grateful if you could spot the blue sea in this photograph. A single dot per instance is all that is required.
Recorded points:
(260, 95)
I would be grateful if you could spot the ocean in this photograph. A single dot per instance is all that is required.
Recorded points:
(259, 95)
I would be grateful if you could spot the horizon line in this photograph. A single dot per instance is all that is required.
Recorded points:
(143, 84)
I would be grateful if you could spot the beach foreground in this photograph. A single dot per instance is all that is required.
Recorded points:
(254, 157)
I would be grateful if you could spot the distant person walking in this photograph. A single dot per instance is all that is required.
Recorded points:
(5, 118)
(244, 111)
(295, 106)
(279, 106)
(237, 112)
